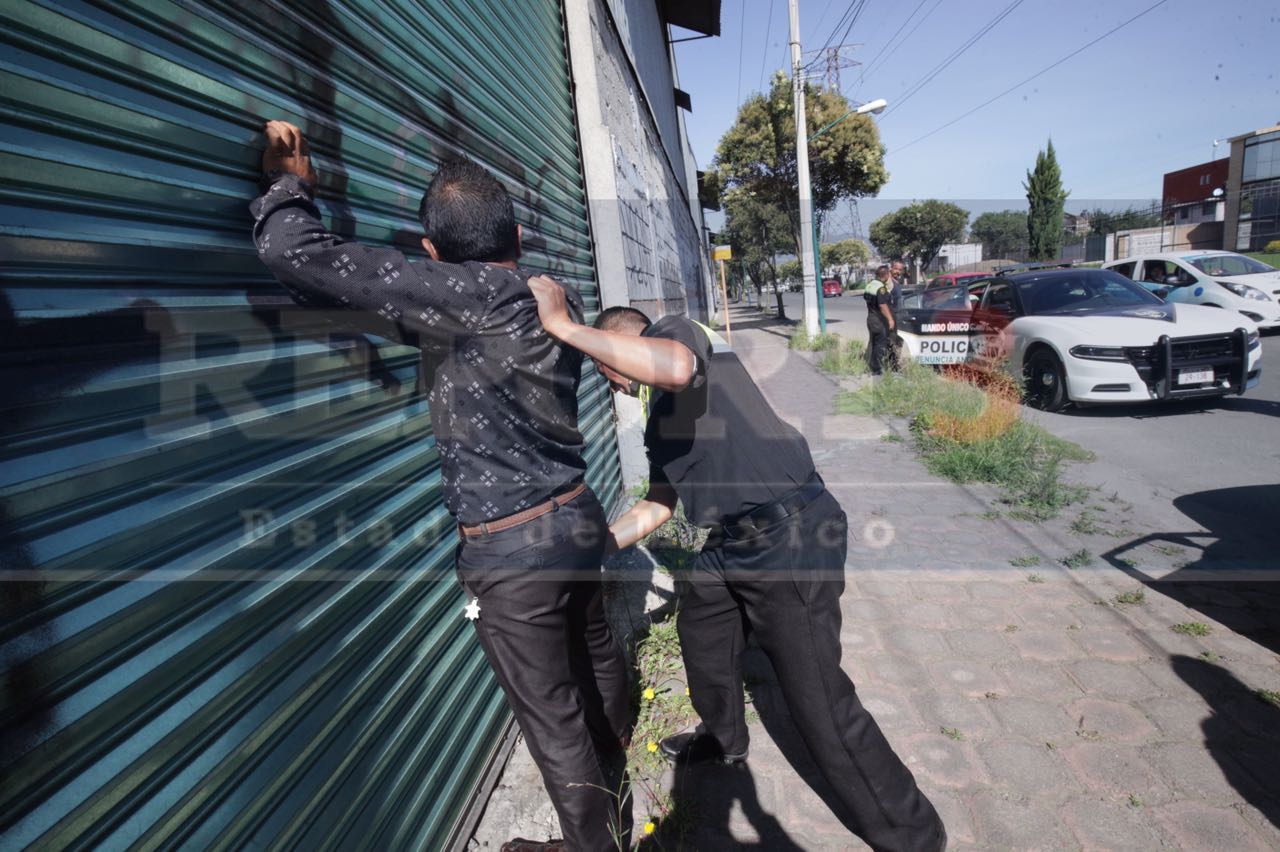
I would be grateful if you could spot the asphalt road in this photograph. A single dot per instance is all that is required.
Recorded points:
(1210, 466)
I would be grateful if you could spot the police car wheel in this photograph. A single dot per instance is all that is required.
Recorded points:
(1046, 381)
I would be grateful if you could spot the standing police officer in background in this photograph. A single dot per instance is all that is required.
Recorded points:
(774, 560)
(882, 328)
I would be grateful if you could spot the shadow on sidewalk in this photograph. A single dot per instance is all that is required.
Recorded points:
(706, 795)
(1232, 574)
(1242, 732)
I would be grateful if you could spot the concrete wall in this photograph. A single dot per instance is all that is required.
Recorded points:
(641, 188)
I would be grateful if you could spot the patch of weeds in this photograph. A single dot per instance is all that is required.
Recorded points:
(822, 342)
(1209, 657)
(1029, 561)
(1134, 801)
(1092, 736)
(992, 696)
(991, 515)
(891, 438)
(640, 489)
(1079, 559)
(676, 543)
(1127, 562)
(1168, 549)
(849, 359)
(1011, 628)
(1136, 596)
(966, 433)
(1034, 578)
(1084, 524)
(954, 733)
(1192, 628)
(1268, 695)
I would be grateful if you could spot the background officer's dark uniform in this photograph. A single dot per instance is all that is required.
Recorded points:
(879, 346)
(727, 454)
(504, 414)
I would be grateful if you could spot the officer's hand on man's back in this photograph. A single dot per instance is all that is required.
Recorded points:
(553, 307)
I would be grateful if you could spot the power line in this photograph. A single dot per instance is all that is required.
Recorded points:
(741, 33)
(817, 25)
(1042, 71)
(867, 67)
(954, 55)
(850, 17)
(764, 54)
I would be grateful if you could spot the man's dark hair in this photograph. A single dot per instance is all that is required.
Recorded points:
(468, 215)
(881, 270)
(622, 319)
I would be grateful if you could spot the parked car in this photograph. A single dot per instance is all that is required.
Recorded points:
(1095, 336)
(832, 287)
(952, 279)
(1219, 279)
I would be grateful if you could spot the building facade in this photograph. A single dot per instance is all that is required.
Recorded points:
(1252, 218)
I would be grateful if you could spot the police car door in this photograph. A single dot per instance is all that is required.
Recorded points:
(990, 332)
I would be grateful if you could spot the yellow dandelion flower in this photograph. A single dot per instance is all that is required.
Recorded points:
(650, 828)
(649, 693)
(653, 747)
(686, 691)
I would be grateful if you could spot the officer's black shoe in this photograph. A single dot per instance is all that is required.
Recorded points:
(698, 747)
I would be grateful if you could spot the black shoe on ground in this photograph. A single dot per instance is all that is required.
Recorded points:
(698, 747)
(522, 845)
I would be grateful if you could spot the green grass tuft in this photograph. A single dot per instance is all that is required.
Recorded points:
(1135, 596)
(1079, 559)
(1192, 628)
(1028, 561)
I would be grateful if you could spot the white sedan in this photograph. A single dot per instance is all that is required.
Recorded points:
(1094, 336)
(1218, 279)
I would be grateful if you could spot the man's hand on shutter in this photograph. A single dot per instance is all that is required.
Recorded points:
(287, 152)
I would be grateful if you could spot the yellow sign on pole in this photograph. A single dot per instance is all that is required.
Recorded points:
(722, 253)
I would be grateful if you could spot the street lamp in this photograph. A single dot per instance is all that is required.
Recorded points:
(877, 106)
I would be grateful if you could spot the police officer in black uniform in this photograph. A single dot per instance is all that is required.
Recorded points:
(882, 328)
(774, 561)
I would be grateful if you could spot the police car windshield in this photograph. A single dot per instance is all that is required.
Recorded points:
(1229, 264)
(1085, 291)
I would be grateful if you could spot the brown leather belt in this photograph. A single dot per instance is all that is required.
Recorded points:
(523, 517)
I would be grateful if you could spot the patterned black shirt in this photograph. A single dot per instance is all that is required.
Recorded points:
(503, 393)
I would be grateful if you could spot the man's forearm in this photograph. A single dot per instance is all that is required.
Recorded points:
(638, 521)
(888, 316)
(656, 362)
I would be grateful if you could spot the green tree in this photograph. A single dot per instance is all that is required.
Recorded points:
(789, 269)
(756, 231)
(758, 153)
(1002, 234)
(919, 230)
(1045, 197)
(845, 253)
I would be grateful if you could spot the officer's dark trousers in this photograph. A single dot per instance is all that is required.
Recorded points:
(786, 584)
(879, 351)
(543, 630)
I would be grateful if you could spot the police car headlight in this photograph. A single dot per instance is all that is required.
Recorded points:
(1244, 291)
(1254, 341)
(1099, 353)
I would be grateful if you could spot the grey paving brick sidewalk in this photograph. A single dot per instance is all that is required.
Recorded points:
(1035, 710)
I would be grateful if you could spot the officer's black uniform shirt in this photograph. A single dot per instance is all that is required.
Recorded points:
(877, 297)
(718, 442)
(503, 393)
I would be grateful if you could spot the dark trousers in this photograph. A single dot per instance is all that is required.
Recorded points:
(881, 349)
(785, 585)
(543, 629)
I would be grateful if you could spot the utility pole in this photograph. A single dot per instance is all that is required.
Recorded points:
(807, 260)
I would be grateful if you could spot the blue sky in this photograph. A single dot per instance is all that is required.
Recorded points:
(1148, 99)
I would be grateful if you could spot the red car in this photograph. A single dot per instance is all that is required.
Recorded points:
(953, 279)
(832, 287)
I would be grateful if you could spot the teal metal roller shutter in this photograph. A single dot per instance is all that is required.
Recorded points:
(230, 618)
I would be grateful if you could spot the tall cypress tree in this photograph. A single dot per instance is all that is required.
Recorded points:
(1045, 197)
